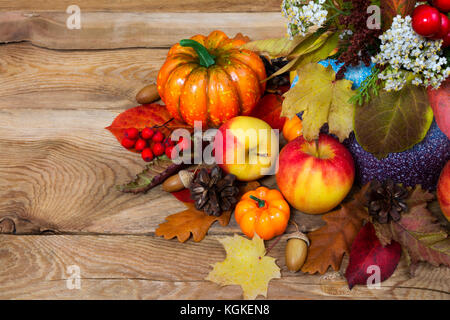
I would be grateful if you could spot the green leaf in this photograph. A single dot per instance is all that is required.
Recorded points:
(317, 47)
(393, 121)
(154, 174)
(277, 47)
(322, 100)
(321, 53)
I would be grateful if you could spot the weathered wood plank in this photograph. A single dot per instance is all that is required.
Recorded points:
(144, 5)
(110, 30)
(121, 267)
(34, 77)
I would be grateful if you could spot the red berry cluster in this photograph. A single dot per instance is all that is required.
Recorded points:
(150, 142)
(429, 22)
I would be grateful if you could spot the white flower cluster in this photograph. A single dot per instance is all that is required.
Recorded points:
(302, 14)
(410, 56)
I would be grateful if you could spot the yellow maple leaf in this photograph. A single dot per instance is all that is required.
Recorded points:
(245, 265)
(322, 99)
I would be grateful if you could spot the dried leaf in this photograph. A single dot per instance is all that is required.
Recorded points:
(269, 110)
(276, 47)
(147, 115)
(422, 237)
(191, 220)
(195, 222)
(419, 232)
(367, 251)
(419, 196)
(330, 242)
(313, 49)
(245, 265)
(154, 174)
(391, 8)
(393, 121)
(322, 100)
(321, 53)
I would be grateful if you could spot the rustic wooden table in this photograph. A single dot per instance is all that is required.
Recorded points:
(59, 89)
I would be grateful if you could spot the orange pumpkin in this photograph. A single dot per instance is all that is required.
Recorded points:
(263, 211)
(210, 79)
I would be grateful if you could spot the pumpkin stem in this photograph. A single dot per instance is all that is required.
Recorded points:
(261, 203)
(206, 59)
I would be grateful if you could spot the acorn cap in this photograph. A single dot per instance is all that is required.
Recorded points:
(299, 235)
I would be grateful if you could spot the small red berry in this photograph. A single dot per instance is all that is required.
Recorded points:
(168, 151)
(128, 143)
(426, 20)
(168, 142)
(158, 137)
(183, 144)
(140, 145)
(444, 28)
(132, 133)
(158, 149)
(147, 154)
(442, 5)
(147, 133)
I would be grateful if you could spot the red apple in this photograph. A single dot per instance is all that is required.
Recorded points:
(443, 191)
(315, 177)
(440, 103)
(247, 148)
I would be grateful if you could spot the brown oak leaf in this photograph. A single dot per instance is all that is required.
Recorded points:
(195, 222)
(330, 242)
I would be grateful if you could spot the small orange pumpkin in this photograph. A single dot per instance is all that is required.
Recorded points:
(210, 79)
(263, 211)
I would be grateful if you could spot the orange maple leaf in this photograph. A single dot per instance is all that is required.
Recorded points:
(329, 243)
(195, 222)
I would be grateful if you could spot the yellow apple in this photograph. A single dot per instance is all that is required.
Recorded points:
(246, 147)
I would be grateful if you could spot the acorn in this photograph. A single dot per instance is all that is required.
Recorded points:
(147, 94)
(296, 251)
(178, 181)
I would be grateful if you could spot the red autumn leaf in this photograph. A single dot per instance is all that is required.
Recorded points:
(183, 195)
(269, 110)
(367, 251)
(392, 8)
(147, 115)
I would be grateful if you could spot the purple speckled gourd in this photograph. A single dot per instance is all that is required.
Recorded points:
(421, 164)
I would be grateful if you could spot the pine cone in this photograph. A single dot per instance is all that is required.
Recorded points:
(386, 201)
(214, 193)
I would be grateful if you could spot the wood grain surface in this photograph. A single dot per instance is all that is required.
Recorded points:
(111, 30)
(131, 267)
(144, 5)
(59, 167)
